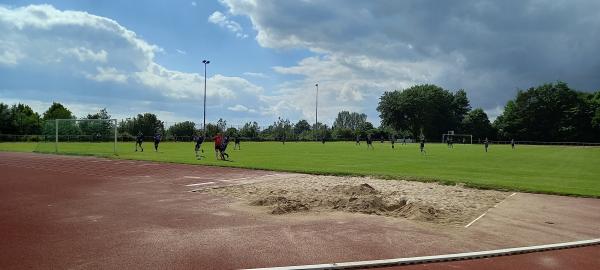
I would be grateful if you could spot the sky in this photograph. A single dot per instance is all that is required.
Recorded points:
(266, 56)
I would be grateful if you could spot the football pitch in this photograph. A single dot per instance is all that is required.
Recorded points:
(544, 169)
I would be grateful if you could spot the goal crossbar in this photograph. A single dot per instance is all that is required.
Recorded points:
(114, 121)
(446, 135)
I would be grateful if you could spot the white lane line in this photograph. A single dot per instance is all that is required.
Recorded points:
(486, 211)
(199, 184)
(438, 258)
(248, 177)
(476, 219)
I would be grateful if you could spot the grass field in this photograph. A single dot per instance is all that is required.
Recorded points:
(544, 169)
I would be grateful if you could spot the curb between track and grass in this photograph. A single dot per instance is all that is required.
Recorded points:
(438, 258)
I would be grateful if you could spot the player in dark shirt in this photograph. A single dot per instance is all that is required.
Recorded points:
(199, 140)
(422, 146)
(486, 144)
(512, 143)
(157, 138)
(138, 141)
(450, 142)
(357, 140)
(323, 140)
(393, 140)
(237, 143)
(224, 148)
(370, 142)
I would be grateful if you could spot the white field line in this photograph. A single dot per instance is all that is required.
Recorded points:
(439, 258)
(486, 211)
(248, 177)
(193, 177)
(199, 184)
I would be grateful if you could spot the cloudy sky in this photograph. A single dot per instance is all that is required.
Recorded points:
(266, 56)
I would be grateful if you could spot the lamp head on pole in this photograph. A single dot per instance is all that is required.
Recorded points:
(316, 84)
(205, 62)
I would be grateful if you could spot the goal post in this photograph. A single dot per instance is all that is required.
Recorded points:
(80, 132)
(468, 138)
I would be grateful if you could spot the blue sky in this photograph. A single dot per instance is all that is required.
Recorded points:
(145, 56)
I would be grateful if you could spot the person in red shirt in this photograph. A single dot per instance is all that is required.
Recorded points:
(218, 140)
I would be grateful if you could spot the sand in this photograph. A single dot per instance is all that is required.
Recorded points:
(299, 193)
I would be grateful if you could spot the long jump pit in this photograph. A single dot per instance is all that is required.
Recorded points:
(64, 212)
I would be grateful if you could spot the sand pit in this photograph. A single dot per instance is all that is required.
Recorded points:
(299, 193)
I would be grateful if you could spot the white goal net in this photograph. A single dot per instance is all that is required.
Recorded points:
(79, 136)
(457, 138)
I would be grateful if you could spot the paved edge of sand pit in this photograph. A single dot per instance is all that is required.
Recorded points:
(439, 258)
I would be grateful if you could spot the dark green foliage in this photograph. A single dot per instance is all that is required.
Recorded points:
(477, 124)
(182, 129)
(425, 110)
(148, 124)
(550, 112)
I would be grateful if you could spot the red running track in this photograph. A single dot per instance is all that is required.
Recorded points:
(64, 212)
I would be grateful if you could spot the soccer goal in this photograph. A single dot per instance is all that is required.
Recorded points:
(457, 138)
(79, 136)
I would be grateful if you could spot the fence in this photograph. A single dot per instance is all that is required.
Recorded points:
(171, 138)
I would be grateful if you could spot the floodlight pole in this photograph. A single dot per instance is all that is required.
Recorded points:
(206, 62)
(316, 111)
(56, 136)
(115, 145)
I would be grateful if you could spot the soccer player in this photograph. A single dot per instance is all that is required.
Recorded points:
(486, 144)
(323, 140)
(218, 141)
(370, 142)
(450, 142)
(157, 137)
(512, 143)
(237, 143)
(393, 140)
(382, 140)
(403, 140)
(199, 140)
(357, 140)
(422, 146)
(224, 148)
(139, 140)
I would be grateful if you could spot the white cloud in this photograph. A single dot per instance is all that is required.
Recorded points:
(107, 75)
(194, 3)
(489, 48)
(181, 51)
(256, 74)
(84, 54)
(241, 108)
(221, 20)
(69, 46)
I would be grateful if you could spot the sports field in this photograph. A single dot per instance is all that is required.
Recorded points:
(544, 169)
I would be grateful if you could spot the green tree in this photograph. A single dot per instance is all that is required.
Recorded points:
(182, 129)
(97, 128)
(301, 127)
(147, 123)
(58, 111)
(478, 124)
(5, 119)
(550, 112)
(250, 130)
(23, 120)
(423, 109)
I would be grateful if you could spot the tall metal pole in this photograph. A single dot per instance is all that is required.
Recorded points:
(316, 111)
(56, 135)
(204, 122)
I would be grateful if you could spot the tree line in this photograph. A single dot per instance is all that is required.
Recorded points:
(549, 112)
